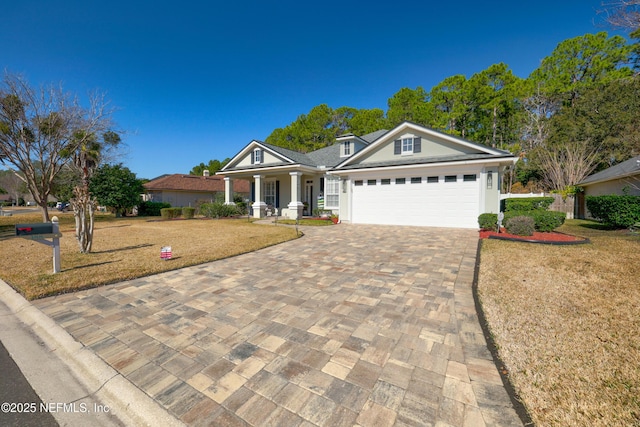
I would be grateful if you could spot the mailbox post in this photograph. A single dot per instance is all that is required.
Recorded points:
(39, 232)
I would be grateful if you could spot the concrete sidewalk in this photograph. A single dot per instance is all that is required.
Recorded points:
(349, 325)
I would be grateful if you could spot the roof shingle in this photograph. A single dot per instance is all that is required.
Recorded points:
(208, 184)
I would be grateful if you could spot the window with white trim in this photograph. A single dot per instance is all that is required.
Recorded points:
(332, 192)
(346, 148)
(407, 145)
(257, 156)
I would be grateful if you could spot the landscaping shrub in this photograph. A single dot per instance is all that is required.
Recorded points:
(527, 203)
(218, 210)
(521, 225)
(188, 212)
(151, 208)
(548, 220)
(543, 220)
(615, 211)
(488, 221)
(170, 213)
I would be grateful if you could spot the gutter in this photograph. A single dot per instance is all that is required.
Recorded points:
(512, 160)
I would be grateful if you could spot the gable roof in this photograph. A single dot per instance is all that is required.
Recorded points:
(384, 137)
(366, 139)
(294, 156)
(370, 137)
(195, 183)
(621, 170)
(408, 161)
(328, 156)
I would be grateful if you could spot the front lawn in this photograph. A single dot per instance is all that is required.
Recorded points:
(125, 249)
(566, 321)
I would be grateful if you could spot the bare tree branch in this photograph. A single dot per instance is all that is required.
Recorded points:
(41, 131)
(623, 14)
(567, 165)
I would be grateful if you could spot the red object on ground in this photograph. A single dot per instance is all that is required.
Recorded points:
(537, 236)
(165, 253)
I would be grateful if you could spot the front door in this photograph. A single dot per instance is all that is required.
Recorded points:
(308, 198)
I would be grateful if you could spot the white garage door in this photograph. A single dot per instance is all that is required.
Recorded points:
(418, 201)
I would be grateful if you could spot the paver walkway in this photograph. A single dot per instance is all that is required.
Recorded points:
(349, 325)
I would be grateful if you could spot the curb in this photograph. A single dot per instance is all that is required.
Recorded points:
(127, 402)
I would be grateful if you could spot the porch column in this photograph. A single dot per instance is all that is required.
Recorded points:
(296, 205)
(228, 191)
(259, 206)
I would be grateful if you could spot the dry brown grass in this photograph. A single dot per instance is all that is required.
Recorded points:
(566, 320)
(125, 249)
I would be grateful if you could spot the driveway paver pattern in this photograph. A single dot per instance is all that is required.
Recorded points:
(348, 325)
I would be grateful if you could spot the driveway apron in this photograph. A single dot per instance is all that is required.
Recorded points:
(348, 325)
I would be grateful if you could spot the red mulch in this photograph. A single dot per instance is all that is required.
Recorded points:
(542, 237)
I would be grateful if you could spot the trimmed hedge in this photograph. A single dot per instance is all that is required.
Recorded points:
(544, 220)
(170, 213)
(218, 210)
(527, 203)
(151, 208)
(188, 212)
(521, 225)
(615, 211)
(488, 221)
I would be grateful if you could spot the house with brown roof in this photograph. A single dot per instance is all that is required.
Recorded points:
(192, 190)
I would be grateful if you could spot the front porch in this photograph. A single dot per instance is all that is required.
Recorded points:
(285, 194)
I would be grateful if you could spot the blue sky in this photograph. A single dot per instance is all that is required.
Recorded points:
(198, 80)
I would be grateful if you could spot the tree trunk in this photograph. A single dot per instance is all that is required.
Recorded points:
(83, 210)
(494, 126)
(45, 212)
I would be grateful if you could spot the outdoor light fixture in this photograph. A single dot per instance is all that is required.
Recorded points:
(490, 180)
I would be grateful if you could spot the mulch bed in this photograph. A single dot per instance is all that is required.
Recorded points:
(551, 237)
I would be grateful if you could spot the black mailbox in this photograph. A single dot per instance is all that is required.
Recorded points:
(37, 228)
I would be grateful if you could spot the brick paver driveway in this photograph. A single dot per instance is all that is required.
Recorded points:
(349, 325)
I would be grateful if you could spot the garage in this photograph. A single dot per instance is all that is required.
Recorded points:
(423, 198)
(409, 175)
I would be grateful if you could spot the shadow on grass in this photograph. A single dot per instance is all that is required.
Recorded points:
(126, 248)
(115, 226)
(95, 264)
(596, 226)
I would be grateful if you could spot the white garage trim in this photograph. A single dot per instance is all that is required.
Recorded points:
(421, 200)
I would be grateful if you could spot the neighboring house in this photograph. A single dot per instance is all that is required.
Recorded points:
(190, 190)
(623, 178)
(410, 175)
(5, 198)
